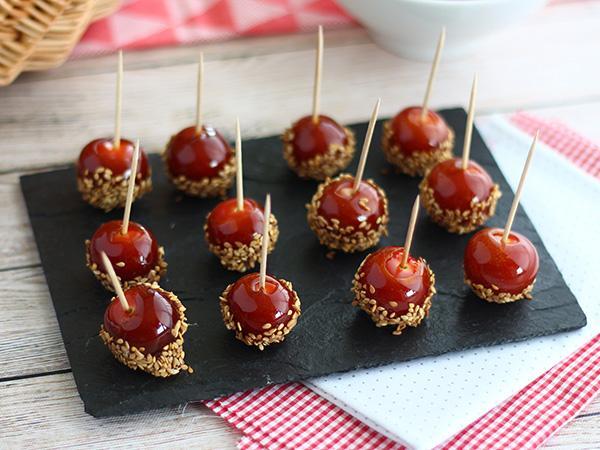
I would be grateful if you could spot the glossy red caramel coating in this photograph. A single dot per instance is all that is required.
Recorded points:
(148, 324)
(511, 266)
(411, 133)
(339, 202)
(254, 307)
(101, 153)
(383, 270)
(137, 249)
(197, 156)
(455, 188)
(312, 139)
(225, 223)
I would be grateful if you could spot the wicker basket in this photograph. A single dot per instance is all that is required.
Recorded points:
(40, 34)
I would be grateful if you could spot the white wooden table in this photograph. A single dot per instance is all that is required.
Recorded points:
(549, 66)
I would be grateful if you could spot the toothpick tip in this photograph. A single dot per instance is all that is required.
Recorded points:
(416, 204)
(265, 242)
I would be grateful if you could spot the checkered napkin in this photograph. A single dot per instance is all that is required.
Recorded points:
(582, 152)
(156, 23)
(293, 416)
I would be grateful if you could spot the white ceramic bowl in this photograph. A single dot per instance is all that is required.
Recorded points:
(410, 28)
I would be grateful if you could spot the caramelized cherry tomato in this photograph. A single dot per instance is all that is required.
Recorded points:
(351, 208)
(147, 324)
(197, 156)
(455, 188)
(413, 133)
(254, 307)
(395, 286)
(226, 223)
(312, 139)
(133, 254)
(510, 266)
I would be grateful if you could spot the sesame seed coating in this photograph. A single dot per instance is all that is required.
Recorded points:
(105, 191)
(493, 294)
(418, 162)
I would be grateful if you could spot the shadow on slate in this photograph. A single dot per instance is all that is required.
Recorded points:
(331, 335)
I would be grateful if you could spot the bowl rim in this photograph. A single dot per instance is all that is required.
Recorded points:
(460, 3)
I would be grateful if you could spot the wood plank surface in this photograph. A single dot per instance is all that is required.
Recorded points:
(17, 247)
(47, 413)
(30, 340)
(45, 118)
(245, 47)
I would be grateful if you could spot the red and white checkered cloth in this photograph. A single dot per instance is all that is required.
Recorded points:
(291, 416)
(582, 152)
(153, 23)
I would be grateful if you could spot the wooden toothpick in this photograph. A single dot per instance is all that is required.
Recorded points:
(130, 187)
(115, 282)
(515, 203)
(318, 71)
(199, 88)
(432, 73)
(411, 230)
(265, 242)
(366, 144)
(117, 138)
(469, 127)
(239, 181)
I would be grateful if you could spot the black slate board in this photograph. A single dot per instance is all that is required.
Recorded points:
(331, 335)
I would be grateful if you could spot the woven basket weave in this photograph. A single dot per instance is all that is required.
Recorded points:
(40, 34)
